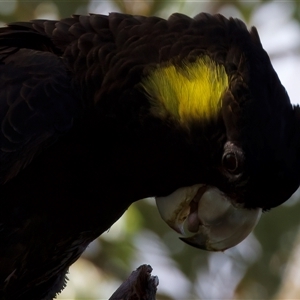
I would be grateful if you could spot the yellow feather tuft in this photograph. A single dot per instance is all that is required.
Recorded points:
(188, 93)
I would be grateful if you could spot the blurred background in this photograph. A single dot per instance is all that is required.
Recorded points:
(264, 266)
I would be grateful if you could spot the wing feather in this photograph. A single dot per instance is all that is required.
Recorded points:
(36, 106)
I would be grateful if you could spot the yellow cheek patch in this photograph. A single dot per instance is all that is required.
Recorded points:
(188, 93)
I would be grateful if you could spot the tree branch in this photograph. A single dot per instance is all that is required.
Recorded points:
(140, 285)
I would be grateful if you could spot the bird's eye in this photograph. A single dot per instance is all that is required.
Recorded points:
(233, 159)
(230, 162)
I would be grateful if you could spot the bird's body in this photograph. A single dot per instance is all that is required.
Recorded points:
(87, 129)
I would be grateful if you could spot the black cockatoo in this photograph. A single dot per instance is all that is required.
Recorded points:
(100, 111)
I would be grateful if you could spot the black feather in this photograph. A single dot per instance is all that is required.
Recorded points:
(79, 142)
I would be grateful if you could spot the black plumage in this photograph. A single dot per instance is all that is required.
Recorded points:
(79, 142)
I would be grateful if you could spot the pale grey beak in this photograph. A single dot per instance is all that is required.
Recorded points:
(204, 211)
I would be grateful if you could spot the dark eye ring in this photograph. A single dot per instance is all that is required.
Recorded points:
(233, 159)
(230, 162)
